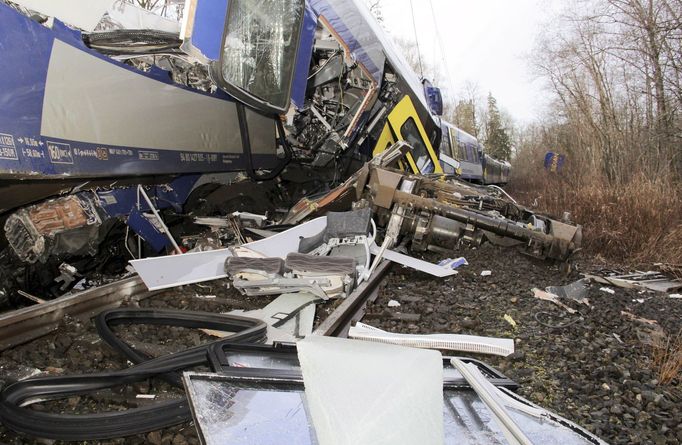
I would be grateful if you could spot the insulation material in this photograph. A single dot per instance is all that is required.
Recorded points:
(360, 393)
(81, 14)
(451, 342)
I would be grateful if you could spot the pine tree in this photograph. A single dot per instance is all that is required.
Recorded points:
(498, 143)
(465, 117)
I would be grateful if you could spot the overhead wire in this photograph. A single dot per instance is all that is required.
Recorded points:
(416, 39)
(442, 47)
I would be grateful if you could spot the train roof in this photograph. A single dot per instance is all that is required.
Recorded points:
(367, 41)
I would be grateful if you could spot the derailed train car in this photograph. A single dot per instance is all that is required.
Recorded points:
(230, 111)
(458, 146)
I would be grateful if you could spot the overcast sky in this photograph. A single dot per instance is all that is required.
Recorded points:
(486, 42)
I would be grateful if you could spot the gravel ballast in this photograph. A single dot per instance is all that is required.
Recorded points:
(595, 371)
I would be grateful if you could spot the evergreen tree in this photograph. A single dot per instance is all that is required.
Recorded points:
(497, 143)
(465, 117)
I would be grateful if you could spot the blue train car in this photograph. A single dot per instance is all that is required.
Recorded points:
(458, 147)
(202, 117)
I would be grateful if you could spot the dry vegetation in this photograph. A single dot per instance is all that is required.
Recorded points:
(614, 68)
(633, 223)
(667, 357)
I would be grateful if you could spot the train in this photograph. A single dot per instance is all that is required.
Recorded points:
(475, 165)
(117, 124)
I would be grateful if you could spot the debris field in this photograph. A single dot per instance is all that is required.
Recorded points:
(596, 371)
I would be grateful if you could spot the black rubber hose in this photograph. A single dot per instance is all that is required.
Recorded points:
(16, 413)
(243, 330)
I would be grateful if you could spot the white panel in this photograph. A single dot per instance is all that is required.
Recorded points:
(84, 14)
(177, 270)
(362, 393)
(414, 263)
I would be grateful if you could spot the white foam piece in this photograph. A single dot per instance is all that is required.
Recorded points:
(360, 393)
(450, 342)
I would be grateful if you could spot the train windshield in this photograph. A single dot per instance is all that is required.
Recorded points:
(420, 154)
(259, 51)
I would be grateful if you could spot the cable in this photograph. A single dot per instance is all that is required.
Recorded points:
(416, 39)
(15, 400)
(442, 48)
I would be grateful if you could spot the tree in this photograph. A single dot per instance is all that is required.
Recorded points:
(498, 142)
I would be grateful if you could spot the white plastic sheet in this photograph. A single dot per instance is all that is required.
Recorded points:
(360, 393)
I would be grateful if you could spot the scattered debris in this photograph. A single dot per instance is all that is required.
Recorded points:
(654, 281)
(607, 290)
(675, 296)
(486, 273)
(450, 342)
(546, 296)
(576, 291)
(508, 318)
(453, 263)
(634, 317)
(393, 303)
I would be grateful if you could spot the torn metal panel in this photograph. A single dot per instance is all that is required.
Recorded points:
(81, 14)
(654, 281)
(452, 342)
(360, 393)
(177, 270)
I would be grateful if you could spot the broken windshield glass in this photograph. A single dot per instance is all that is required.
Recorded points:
(259, 52)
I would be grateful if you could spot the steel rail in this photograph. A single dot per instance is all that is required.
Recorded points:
(23, 325)
(27, 324)
(353, 306)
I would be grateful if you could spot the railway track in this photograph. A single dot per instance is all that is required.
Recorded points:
(23, 325)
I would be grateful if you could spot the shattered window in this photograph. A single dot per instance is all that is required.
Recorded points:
(259, 54)
(410, 133)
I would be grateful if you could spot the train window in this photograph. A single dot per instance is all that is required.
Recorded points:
(259, 51)
(445, 142)
(411, 135)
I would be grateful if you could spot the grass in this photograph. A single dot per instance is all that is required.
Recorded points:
(666, 357)
(638, 222)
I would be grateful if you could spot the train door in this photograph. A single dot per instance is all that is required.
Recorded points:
(448, 160)
(404, 124)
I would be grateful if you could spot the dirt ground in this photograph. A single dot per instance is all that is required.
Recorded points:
(593, 367)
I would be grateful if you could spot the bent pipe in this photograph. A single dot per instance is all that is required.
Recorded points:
(16, 414)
